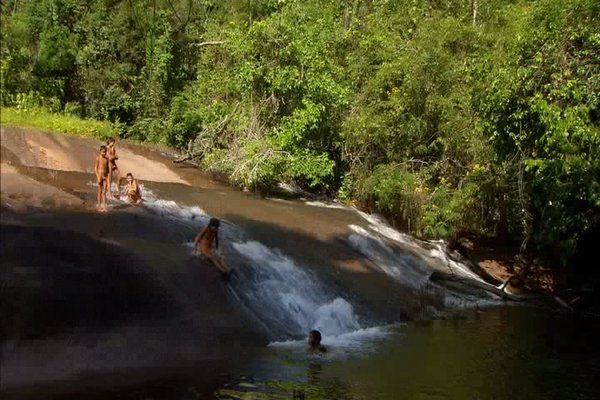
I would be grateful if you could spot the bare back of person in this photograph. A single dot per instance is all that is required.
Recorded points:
(112, 167)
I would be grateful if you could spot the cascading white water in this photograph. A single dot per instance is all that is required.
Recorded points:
(402, 266)
(286, 298)
(408, 261)
(171, 209)
(438, 253)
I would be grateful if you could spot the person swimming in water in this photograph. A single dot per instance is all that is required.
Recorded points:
(205, 240)
(314, 342)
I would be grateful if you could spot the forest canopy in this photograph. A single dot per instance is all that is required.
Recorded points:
(449, 117)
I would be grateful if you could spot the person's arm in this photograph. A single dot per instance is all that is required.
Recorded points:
(97, 169)
(198, 239)
(138, 190)
(112, 155)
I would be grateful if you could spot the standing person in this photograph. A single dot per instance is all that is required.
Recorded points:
(206, 238)
(101, 168)
(132, 190)
(112, 158)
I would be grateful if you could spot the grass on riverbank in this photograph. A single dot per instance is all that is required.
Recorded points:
(42, 118)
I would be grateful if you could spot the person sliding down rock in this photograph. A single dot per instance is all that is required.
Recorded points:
(205, 240)
(132, 190)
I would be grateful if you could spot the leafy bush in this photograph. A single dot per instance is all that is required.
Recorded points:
(73, 109)
(484, 122)
(149, 130)
(42, 118)
(395, 191)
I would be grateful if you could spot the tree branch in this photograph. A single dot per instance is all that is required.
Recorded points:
(217, 131)
(207, 43)
(189, 156)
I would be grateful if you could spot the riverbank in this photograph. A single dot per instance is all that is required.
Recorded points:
(503, 260)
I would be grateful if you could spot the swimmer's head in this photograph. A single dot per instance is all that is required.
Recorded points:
(110, 140)
(314, 338)
(129, 176)
(102, 149)
(214, 222)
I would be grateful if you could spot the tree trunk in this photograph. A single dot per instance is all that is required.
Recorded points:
(474, 12)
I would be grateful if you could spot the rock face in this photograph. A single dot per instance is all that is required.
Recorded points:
(71, 153)
(587, 274)
(18, 192)
(56, 281)
(71, 303)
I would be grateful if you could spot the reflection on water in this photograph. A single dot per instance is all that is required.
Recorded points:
(499, 353)
(504, 353)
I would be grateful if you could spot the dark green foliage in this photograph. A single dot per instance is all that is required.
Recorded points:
(449, 116)
(539, 109)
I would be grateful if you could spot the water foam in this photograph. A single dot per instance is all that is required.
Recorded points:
(288, 299)
(326, 205)
(165, 208)
(170, 209)
(401, 265)
(355, 338)
(411, 261)
(360, 342)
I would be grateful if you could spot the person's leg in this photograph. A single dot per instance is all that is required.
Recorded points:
(109, 178)
(99, 196)
(103, 197)
(118, 183)
(221, 264)
(133, 198)
(218, 263)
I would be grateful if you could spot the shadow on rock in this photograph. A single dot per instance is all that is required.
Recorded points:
(55, 281)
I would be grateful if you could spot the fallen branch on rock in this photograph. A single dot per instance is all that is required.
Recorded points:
(217, 131)
(199, 153)
(500, 292)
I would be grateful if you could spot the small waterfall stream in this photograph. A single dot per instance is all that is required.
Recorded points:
(287, 298)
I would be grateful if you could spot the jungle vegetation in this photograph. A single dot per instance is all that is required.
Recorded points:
(448, 116)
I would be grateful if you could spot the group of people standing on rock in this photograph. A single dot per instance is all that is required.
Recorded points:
(105, 167)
